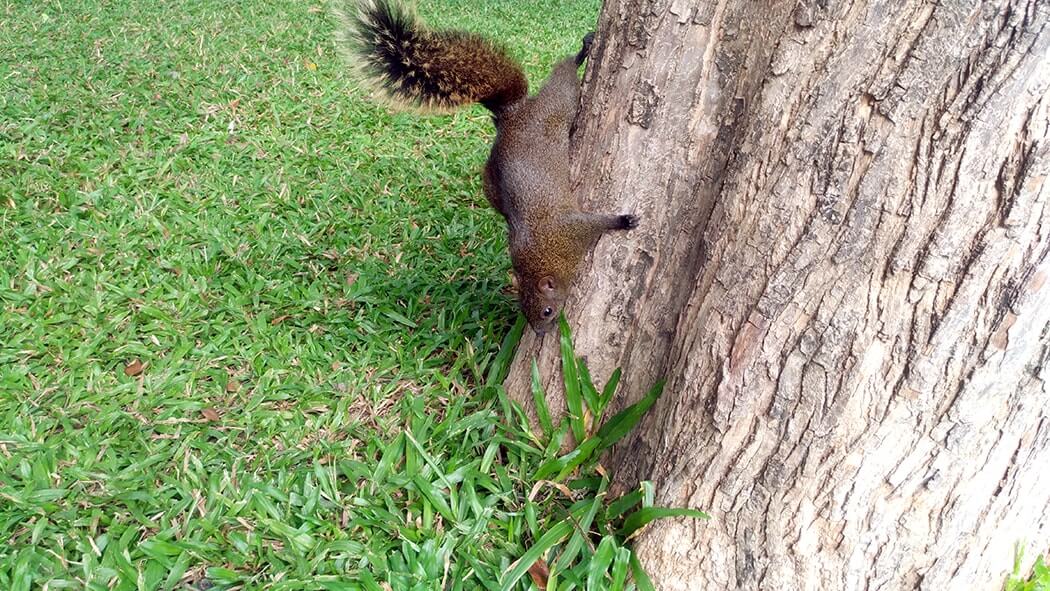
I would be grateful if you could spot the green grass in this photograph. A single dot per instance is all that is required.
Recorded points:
(1038, 581)
(315, 287)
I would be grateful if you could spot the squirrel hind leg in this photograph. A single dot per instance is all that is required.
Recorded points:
(490, 186)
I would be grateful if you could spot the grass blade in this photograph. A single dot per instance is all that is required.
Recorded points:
(565, 464)
(600, 562)
(619, 569)
(539, 398)
(573, 398)
(501, 364)
(643, 517)
(638, 574)
(521, 566)
(582, 531)
(623, 504)
(557, 440)
(590, 393)
(586, 452)
(393, 453)
(621, 424)
(648, 493)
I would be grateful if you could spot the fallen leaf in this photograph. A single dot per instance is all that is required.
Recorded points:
(232, 386)
(279, 319)
(134, 368)
(539, 573)
(311, 66)
(210, 414)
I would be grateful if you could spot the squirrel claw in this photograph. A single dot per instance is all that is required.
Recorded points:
(585, 49)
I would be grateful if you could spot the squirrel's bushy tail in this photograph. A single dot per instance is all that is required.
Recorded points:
(412, 65)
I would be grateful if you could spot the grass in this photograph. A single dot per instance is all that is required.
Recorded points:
(1038, 581)
(247, 318)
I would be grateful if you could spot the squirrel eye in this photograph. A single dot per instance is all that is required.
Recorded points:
(547, 311)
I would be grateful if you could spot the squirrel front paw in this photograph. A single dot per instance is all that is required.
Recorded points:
(628, 221)
(585, 50)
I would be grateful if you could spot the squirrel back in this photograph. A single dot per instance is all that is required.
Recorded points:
(414, 66)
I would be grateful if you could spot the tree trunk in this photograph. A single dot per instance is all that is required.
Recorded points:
(841, 271)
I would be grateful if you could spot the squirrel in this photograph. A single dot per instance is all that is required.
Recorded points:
(526, 177)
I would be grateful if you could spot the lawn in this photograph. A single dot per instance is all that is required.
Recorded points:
(245, 314)
(252, 325)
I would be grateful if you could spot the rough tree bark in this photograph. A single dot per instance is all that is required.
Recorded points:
(842, 272)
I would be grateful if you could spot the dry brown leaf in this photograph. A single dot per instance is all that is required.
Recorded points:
(542, 483)
(539, 573)
(232, 386)
(134, 368)
(210, 414)
(279, 319)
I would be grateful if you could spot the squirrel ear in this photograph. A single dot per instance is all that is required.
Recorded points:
(547, 284)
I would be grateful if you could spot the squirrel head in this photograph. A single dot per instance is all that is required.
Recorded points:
(541, 299)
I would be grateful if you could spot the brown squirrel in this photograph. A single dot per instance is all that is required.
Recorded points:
(526, 177)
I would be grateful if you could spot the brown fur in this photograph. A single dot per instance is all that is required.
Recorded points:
(526, 177)
(412, 66)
